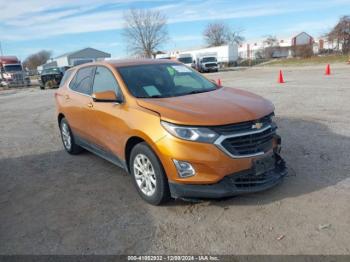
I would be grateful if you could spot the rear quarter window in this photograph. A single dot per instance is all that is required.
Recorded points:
(82, 81)
(65, 77)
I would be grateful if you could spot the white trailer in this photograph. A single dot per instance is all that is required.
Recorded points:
(185, 58)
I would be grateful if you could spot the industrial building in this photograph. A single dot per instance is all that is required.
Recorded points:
(74, 58)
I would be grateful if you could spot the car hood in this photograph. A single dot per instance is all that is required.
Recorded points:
(219, 107)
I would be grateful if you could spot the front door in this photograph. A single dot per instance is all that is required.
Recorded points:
(106, 130)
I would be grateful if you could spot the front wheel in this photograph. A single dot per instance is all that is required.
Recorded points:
(148, 175)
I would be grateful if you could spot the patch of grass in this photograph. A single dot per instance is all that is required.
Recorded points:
(309, 61)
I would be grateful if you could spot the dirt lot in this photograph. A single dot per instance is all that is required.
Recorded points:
(54, 203)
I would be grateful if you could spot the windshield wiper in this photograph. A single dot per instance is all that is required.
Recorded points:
(198, 91)
(153, 96)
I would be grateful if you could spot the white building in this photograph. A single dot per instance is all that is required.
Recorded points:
(253, 50)
(323, 45)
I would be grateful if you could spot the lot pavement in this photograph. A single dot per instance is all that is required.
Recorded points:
(54, 203)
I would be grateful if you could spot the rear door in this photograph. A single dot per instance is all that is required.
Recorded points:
(79, 102)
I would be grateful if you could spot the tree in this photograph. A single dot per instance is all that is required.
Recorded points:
(271, 41)
(37, 59)
(216, 34)
(341, 34)
(145, 31)
(304, 51)
(270, 46)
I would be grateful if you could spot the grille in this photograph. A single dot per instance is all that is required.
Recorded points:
(210, 65)
(18, 77)
(251, 180)
(249, 144)
(243, 140)
(242, 127)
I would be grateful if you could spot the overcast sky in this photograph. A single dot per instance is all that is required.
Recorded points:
(27, 26)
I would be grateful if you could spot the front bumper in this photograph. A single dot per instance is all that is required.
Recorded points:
(236, 184)
(210, 69)
(15, 83)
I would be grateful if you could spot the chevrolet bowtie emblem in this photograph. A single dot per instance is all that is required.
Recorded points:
(257, 126)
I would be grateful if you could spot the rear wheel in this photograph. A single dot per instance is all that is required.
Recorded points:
(148, 175)
(68, 138)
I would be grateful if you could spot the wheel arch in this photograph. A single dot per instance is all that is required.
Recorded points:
(133, 141)
(59, 118)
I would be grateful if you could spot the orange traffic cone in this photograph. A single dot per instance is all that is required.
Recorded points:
(328, 69)
(219, 82)
(280, 78)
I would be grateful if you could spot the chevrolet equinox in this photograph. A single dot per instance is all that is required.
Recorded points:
(178, 134)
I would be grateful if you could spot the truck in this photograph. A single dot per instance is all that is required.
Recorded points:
(207, 62)
(186, 59)
(51, 77)
(12, 72)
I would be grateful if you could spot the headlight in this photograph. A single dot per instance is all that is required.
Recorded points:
(273, 121)
(199, 134)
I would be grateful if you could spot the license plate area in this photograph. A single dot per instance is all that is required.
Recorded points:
(264, 164)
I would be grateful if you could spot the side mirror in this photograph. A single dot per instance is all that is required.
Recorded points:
(106, 96)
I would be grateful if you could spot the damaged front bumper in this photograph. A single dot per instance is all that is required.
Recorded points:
(248, 181)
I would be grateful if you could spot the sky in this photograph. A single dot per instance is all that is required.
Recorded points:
(28, 26)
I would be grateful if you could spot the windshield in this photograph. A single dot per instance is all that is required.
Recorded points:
(209, 59)
(54, 70)
(185, 60)
(163, 80)
(13, 68)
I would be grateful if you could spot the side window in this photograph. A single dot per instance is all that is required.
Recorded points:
(82, 80)
(105, 81)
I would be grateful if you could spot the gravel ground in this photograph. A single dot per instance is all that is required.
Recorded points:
(54, 203)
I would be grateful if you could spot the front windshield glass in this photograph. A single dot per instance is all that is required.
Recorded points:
(13, 68)
(54, 70)
(185, 60)
(209, 59)
(163, 80)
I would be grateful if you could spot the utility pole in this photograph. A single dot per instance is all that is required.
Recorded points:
(2, 53)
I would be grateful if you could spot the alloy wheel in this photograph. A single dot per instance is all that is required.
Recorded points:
(144, 174)
(66, 137)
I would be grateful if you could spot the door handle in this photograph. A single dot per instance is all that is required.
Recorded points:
(66, 97)
(90, 105)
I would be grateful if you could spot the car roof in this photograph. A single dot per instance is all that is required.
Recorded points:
(128, 62)
(133, 62)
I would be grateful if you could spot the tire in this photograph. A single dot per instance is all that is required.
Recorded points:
(48, 85)
(66, 134)
(157, 183)
(42, 87)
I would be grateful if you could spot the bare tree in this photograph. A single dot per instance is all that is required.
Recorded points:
(270, 46)
(341, 34)
(145, 31)
(216, 34)
(270, 41)
(37, 59)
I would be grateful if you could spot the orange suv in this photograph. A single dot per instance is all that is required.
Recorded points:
(178, 134)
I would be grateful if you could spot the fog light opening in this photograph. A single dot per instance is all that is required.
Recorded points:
(184, 169)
